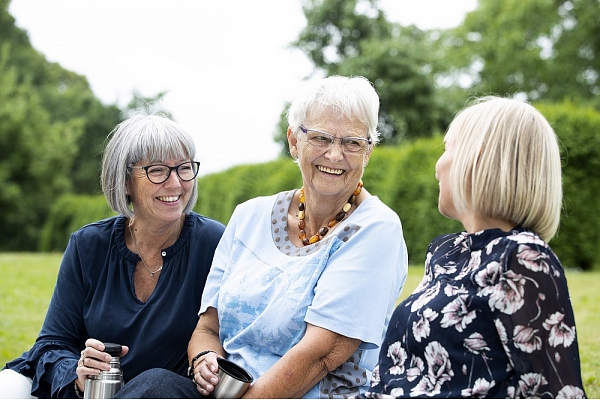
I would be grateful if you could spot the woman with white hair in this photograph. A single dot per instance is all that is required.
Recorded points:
(304, 281)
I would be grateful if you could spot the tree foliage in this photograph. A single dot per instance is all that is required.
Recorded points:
(354, 37)
(335, 28)
(52, 130)
(403, 79)
(577, 242)
(65, 96)
(541, 49)
(36, 155)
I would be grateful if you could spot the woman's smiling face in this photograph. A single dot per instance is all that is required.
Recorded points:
(331, 171)
(160, 202)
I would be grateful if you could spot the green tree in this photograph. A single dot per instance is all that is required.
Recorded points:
(403, 75)
(335, 28)
(65, 96)
(280, 135)
(353, 37)
(52, 133)
(148, 105)
(36, 156)
(542, 49)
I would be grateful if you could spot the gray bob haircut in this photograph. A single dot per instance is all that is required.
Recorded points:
(506, 164)
(148, 138)
(351, 98)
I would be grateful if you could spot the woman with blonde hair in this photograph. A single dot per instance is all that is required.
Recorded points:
(492, 316)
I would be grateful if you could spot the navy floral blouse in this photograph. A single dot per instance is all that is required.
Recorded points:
(492, 317)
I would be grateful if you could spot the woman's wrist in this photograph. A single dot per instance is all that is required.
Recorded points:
(193, 362)
(78, 391)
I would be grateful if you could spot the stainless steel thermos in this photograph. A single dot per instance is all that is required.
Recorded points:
(107, 383)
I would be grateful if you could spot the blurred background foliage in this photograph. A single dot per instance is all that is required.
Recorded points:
(53, 128)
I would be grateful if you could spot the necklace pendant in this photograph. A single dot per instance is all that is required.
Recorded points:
(158, 270)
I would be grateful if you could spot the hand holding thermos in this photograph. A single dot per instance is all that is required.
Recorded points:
(101, 373)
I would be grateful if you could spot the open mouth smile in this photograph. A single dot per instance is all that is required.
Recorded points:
(331, 171)
(169, 199)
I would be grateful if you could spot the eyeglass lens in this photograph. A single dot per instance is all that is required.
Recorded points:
(160, 173)
(326, 140)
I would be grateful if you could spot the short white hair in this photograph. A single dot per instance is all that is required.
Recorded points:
(350, 97)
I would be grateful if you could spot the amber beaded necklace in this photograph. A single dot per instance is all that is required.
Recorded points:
(323, 230)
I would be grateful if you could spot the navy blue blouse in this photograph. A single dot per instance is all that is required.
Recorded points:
(492, 317)
(95, 298)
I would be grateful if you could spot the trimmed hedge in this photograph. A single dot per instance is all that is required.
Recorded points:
(402, 177)
(578, 128)
(219, 193)
(69, 213)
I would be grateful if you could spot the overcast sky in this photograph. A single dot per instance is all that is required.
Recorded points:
(225, 64)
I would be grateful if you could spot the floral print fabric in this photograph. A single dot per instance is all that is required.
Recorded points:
(491, 318)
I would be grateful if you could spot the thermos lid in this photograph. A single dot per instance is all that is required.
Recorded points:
(113, 349)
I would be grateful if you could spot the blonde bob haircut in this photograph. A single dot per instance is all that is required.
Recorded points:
(148, 138)
(506, 164)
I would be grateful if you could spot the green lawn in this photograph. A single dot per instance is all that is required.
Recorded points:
(28, 280)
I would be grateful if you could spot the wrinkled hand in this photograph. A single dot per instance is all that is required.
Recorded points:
(93, 360)
(205, 373)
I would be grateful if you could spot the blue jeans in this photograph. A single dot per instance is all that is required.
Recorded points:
(158, 383)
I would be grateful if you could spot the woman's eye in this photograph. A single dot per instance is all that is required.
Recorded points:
(155, 170)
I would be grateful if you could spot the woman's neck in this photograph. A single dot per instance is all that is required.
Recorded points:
(156, 237)
(476, 223)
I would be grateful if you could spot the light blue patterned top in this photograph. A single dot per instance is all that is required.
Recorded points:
(346, 283)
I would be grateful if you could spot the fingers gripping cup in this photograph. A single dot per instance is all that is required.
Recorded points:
(233, 380)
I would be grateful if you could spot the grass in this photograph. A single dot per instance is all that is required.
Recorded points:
(28, 280)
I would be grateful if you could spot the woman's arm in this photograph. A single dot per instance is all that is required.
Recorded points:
(52, 360)
(538, 328)
(301, 368)
(204, 338)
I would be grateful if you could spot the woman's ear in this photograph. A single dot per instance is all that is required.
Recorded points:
(367, 157)
(292, 142)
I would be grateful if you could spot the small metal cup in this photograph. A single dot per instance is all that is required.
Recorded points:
(233, 380)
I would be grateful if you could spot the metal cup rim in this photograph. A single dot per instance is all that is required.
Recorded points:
(234, 370)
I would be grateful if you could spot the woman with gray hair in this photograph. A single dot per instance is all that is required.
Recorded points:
(304, 281)
(135, 279)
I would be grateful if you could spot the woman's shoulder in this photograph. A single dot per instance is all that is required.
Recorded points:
(518, 240)
(99, 236)
(202, 222)
(101, 227)
(262, 203)
(374, 209)
(449, 240)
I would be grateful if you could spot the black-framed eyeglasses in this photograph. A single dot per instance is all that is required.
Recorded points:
(324, 140)
(159, 173)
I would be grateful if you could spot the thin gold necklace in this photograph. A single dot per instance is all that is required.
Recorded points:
(140, 255)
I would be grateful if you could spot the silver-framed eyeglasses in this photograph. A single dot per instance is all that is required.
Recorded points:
(159, 173)
(324, 140)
